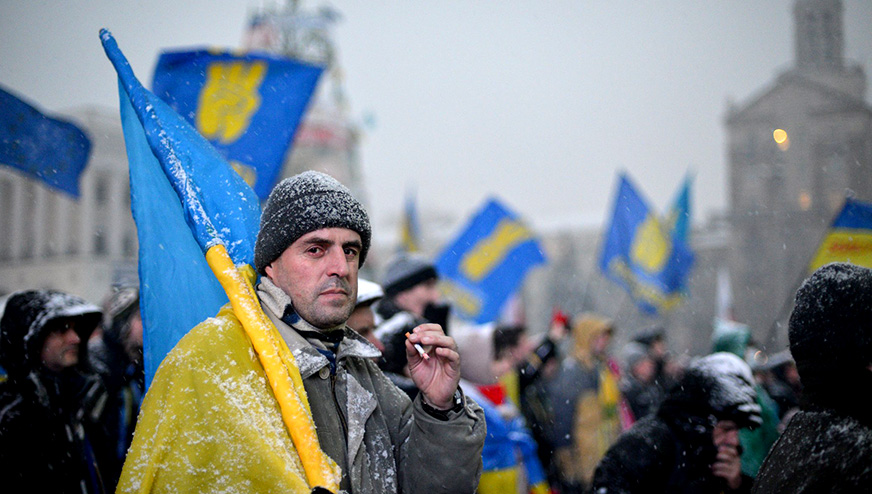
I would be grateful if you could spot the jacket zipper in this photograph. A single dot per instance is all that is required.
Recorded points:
(338, 408)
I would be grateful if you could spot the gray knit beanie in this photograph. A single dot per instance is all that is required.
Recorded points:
(304, 203)
(405, 271)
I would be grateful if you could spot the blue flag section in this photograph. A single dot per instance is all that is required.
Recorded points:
(487, 262)
(849, 239)
(650, 261)
(48, 149)
(177, 220)
(678, 217)
(247, 106)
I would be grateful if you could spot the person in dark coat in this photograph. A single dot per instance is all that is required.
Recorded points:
(49, 404)
(827, 445)
(117, 358)
(690, 445)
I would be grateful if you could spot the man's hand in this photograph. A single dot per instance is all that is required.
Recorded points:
(728, 466)
(438, 376)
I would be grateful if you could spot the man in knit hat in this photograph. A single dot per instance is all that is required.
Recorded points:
(827, 445)
(229, 435)
(411, 299)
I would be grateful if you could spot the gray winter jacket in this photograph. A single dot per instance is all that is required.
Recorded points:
(383, 442)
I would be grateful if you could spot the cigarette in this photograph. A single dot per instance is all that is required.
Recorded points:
(420, 349)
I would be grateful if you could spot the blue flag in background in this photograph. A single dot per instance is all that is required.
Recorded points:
(49, 149)
(410, 229)
(678, 217)
(206, 203)
(487, 262)
(650, 261)
(247, 106)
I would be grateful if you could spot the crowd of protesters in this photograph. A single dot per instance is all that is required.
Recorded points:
(563, 412)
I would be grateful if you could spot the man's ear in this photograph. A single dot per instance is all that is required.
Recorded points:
(268, 270)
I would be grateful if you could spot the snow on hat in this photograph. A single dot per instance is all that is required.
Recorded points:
(830, 329)
(406, 271)
(719, 386)
(26, 321)
(304, 203)
(368, 292)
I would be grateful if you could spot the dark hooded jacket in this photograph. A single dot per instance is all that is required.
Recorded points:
(45, 417)
(827, 445)
(672, 450)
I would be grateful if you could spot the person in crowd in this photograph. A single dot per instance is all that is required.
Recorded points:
(411, 298)
(827, 445)
(117, 357)
(210, 420)
(735, 338)
(51, 399)
(589, 411)
(509, 456)
(667, 370)
(690, 444)
(638, 384)
(535, 375)
(781, 381)
(362, 318)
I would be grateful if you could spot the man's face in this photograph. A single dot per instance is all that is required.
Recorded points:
(362, 320)
(725, 433)
(415, 299)
(319, 272)
(61, 347)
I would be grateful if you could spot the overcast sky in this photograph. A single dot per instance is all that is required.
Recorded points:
(540, 103)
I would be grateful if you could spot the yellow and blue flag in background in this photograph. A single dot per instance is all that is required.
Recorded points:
(49, 149)
(650, 261)
(247, 106)
(486, 263)
(849, 238)
(678, 217)
(410, 228)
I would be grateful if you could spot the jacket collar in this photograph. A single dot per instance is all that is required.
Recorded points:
(278, 307)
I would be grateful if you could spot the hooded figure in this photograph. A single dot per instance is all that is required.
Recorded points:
(588, 408)
(827, 445)
(672, 451)
(50, 401)
(117, 358)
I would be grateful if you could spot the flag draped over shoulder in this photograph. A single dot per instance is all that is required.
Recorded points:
(49, 149)
(190, 206)
(247, 106)
(651, 262)
(849, 239)
(486, 263)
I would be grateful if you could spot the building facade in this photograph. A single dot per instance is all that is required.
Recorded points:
(795, 151)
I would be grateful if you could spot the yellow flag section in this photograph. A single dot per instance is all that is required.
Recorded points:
(228, 394)
(279, 365)
(849, 239)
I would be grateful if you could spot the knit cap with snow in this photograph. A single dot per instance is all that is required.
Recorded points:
(830, 328)
(406, 271)
(304, 203)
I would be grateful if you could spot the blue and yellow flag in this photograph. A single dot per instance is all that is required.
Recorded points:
(410, 228)
(197, 222)
(247, 106)
(486, 263)
(48, 149)
(849, 238)
(678, 217)
(641, 255)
